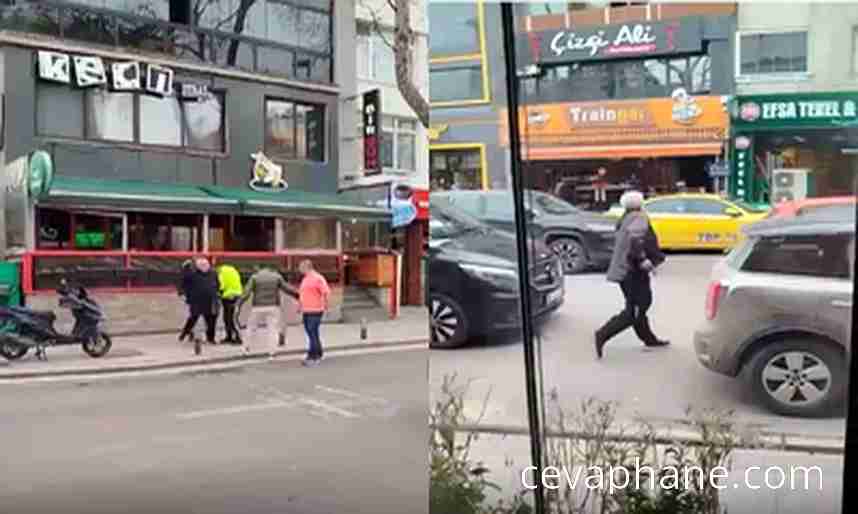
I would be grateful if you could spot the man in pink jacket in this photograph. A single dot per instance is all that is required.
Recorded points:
(313, 294)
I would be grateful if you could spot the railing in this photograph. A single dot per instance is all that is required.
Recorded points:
(179, 41)
(42, 270)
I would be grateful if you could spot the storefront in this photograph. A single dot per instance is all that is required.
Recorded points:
(580, 150)
(793, 146)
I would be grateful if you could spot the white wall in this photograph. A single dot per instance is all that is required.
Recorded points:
(391, 100)
(831, 51)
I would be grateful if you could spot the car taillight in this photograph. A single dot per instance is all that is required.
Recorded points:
(712, 299)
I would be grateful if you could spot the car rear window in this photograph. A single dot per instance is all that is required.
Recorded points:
(808, 255)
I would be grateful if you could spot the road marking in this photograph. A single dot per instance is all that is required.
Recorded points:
(239, 409)
(351, 394)
(328, 408)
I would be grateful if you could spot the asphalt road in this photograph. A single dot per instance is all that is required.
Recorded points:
(657, 384)
(347, 437)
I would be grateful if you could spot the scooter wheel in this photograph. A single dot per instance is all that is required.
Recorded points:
(12, 351)
(98, 346)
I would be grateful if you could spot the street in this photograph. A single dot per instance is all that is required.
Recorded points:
(349, 436)
(656, 384)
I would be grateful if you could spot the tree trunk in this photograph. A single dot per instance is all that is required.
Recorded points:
(238, 28)
(402, 48)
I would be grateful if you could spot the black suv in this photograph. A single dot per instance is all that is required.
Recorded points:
(473, 279)
(583, 241)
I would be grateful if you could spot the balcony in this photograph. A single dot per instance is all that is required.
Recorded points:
(594, 16)
(120, 31)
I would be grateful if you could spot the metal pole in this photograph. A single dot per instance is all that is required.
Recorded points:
(533, 399)
(850, 457)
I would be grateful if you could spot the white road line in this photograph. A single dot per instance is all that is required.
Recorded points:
(351, 394)
(239, 409)
(328, 408)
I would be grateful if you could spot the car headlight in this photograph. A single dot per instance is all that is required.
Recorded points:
(502, 277)
(598, 227)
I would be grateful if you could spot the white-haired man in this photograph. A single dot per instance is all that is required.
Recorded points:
(636, 254)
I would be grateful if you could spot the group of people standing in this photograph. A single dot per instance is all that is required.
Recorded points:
(209, 291)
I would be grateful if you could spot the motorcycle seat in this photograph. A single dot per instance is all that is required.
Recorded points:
(45, 315)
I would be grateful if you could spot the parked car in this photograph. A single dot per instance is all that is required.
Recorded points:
(582, 240)
(779, 313)
(473, 279)
(807, 205)
(697, 221)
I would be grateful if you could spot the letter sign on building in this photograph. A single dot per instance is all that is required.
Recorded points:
(55, 67)
(89, 71)
(126, 76)
(159, 80)
(371, 128)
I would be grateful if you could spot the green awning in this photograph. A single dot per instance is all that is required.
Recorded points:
(147, 196)
(133, 195)
(299, 203)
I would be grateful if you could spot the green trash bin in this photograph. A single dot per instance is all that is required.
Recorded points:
(10, 284)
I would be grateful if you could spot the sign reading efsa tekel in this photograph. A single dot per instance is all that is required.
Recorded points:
(610, 42)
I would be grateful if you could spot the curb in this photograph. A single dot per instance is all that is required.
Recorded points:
(201, 361)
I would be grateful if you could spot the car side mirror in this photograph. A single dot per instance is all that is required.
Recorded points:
(733, 212)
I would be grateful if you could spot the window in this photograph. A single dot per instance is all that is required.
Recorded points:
(455, 169)
(376, 60)
(666, 207)
(707, 207)
(398, 144)
(854, 49)
(310, 234)
(552, 205)
(241, 233)
(165, 233)
(53, 230)
(461, 83)
(362, 235)
(294, 130)
(473, 204)
(102, 115)
(461, 28)
(542, 8)
(500, 207)
(762, 54)
(818, 255)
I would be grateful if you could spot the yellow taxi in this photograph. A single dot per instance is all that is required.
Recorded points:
(697, 221)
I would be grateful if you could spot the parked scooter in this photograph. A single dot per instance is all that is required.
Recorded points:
(22, 328)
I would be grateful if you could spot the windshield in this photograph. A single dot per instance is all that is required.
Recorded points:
(449, 221)
(550, 204)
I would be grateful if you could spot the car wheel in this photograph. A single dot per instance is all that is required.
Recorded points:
(448, 327)
(799, 377)
(572, 254)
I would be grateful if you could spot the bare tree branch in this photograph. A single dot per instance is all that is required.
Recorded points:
(376, 25)
(404, 53)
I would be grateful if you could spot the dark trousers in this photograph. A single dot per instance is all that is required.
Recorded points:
(312, 323)
(210, 319)
(638, 294)
(229, 305)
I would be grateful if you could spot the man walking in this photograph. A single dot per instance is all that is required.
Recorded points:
(636, 254)
(314, 293)
(201, 292)
(265, 286)
(230, 292)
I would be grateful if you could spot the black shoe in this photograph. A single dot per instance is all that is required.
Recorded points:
(182, 337)
(600, 344)
(227, 341)
(658, 343)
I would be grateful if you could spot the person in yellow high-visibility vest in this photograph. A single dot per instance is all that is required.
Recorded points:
(230, 293)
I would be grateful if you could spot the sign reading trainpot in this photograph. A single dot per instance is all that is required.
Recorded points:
(610, 42)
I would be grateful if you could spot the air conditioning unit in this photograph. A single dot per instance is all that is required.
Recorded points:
(789, 184)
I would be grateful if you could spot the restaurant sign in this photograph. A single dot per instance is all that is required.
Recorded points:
(808, 110)
(90, 71)
(610, 42)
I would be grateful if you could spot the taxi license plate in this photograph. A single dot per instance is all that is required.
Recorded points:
(553, 296)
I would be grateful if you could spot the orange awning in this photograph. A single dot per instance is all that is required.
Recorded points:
(557, 153)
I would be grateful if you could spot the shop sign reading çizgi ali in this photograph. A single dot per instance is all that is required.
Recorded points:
(774, 111)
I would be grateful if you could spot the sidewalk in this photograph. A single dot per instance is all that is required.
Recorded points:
(163, 351)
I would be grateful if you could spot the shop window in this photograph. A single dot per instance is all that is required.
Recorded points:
(60, 110)
(362, 235)
(109, 116)
(310, 234)
(241, 233)
(454, 84)
(784, 52)
(203, 126)
(456, 169)
(294, 130)
(53, 230)
(97, 232)
(461, 28)
(164, 233)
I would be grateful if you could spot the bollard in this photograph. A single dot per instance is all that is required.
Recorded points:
(363, 329)
(198, 346)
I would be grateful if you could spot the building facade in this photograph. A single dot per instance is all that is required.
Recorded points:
(797, 101)
(172, 128)
(647, 104)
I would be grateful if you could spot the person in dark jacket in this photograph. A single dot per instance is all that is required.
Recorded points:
(183, 285)
(636, 255)
(202, 294)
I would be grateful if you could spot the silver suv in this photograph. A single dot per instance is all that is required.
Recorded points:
(779, 313)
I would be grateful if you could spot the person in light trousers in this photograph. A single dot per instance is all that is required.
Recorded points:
(266, 286)
(313, 296)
